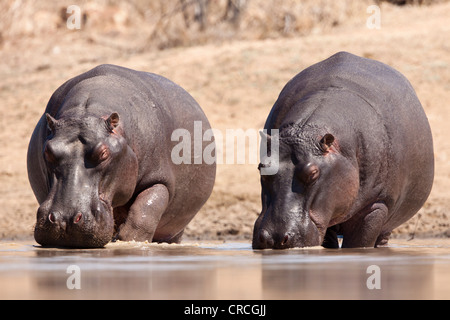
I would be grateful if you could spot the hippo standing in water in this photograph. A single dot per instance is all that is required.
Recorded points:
(99, 161)
(355, 157)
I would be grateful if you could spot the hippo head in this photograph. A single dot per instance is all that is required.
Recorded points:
(91, 169)
(313, 188)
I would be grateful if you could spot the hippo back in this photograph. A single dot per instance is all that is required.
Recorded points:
(380, 85)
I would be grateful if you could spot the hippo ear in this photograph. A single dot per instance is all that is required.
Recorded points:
(113, 121)
(326, 142)
(51, 122)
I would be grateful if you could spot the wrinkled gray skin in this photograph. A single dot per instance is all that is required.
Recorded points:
(356, 157)
(99, 161)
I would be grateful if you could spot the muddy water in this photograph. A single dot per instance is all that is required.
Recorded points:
(418, 269)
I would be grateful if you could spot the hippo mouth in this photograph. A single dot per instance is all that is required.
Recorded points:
(49, 237)
(84, 230)
(304, 232)
(66, 240)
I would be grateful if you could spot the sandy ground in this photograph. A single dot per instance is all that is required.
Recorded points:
(236, 83)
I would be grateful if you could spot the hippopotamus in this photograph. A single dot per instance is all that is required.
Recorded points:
(99, 161)
(355, 157)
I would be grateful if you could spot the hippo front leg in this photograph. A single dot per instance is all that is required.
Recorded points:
(144, 214)
(363, 230)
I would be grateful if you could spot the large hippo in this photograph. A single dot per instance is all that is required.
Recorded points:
(355, 157)
(99, 161)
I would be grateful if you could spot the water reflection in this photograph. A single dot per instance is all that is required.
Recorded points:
(346, 279)
(224, 271)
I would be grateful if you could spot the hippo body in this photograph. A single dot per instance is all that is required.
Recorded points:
(355, 157)
(99, 161)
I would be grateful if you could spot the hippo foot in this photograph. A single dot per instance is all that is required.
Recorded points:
(383, 240)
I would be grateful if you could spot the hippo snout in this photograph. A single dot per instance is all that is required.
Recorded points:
(73, 228)
(266, 240)
(272, 233)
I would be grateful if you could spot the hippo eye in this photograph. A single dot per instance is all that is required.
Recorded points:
(101, 154)
(309, 173)
(313, 175)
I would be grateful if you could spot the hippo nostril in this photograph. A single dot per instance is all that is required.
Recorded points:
(265, 240)
(52, 218)
(264, 236)
(77, 217)
(285, 240)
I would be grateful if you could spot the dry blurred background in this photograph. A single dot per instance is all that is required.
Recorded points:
(234, 57)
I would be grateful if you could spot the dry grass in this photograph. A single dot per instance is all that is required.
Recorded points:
(140, 25)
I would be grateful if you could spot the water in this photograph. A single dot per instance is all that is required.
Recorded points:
(418, 269)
